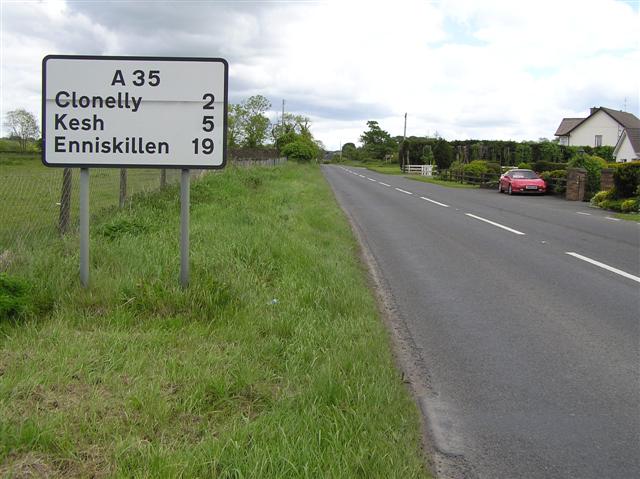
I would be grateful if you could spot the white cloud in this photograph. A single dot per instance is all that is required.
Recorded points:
(467, 69)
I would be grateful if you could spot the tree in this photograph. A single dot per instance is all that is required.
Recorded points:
(303, 148)
(443, 154)
(23, 126)
(376, 142)
(256, 124)
(427, 155)
(246, 123)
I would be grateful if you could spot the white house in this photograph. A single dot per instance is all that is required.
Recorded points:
(603, 127)
(628, 146)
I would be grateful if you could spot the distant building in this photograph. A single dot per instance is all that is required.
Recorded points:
(603, 127)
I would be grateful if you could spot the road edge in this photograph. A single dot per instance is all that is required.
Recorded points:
(407, 359)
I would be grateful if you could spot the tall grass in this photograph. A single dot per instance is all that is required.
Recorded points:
(273, 363)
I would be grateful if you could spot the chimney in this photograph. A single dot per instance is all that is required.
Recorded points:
(593, 110)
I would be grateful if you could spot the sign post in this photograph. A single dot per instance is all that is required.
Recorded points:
(134, 112)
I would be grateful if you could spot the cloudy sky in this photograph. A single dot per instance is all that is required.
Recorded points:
(490, 69)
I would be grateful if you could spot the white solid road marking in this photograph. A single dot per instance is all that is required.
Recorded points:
(581, 213)
(384, 184)
(495, 224)
(612, 219)
(435, 202)
(604, 266)
(404, 191)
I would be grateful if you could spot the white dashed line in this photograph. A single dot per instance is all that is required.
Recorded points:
(495, 224)
(362, 176)
(404, 191)
(384, 184)
(581, 213)
(433, 201)
(612, 219)
(604, 266)
(371, 179)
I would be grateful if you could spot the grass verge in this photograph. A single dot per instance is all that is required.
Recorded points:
(273, 363)
(435, 181)
(628, 216)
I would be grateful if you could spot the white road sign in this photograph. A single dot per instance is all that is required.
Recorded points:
(134, 111)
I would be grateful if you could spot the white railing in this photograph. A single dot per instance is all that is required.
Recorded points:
(424, 170)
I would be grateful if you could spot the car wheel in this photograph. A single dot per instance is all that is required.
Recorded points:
(509, 192)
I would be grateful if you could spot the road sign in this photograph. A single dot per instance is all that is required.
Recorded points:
(151, 112)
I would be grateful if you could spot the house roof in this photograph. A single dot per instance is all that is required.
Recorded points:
(626, 120)
(634, 138)
(566, 125)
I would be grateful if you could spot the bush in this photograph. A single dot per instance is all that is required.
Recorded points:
(626, 179)
(541, 165)
(602, 196)
(302, 149)
(630, 206)
(524, 166)
(476, 168)
(554, 183)
(594, 166)
(613, 204)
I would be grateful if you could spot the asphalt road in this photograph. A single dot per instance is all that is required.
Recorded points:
(528, 337)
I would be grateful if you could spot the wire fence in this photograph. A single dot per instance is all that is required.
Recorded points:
(38, 204)
(42, 203)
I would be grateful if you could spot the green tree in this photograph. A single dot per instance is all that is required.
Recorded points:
(376, 142)
(247, 124)
(303, 148)
(256, 124)
(427, 155)
(443, 154)
(22, 125)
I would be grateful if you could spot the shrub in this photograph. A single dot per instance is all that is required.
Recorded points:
(542, 165)
(524, 166)
(602, 196)
(476, 168)
(554, 183)
(626, 179)
(612, 204)
(594, 166)
(630, 205)
(301, 149)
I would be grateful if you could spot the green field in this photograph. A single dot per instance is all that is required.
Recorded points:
(30, 194)
(273, 363)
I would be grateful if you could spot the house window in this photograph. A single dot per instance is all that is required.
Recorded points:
(598, 140)
(564, 140)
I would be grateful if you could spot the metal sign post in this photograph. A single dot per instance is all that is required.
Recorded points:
(84, 227)
(184, 228)
(134, 112)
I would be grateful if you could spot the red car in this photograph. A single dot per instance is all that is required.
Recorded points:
(521, 181)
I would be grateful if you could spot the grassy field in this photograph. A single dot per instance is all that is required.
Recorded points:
(273, 363)
(30, 193)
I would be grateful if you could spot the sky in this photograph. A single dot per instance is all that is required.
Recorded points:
(462, 69)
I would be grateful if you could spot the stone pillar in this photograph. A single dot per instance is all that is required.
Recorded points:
(606, 179)
(576, 184)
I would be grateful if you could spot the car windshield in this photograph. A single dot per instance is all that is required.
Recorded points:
(524, 174)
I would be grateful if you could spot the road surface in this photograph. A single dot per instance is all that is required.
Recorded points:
(524, 313)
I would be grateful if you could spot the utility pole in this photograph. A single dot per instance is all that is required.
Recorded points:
(404, 138)
(282, 119)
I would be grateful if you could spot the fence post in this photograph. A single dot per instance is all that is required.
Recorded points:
(163, 178)
(123, 187)
(65, 201)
